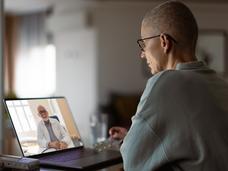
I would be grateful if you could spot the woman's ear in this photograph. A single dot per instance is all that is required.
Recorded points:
(166, 43)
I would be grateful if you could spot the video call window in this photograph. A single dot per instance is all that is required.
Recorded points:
(35, 135)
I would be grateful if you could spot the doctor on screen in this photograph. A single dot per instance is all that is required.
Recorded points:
(50, 133)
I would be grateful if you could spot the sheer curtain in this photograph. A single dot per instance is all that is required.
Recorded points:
(35, 63)
(10, 43)
(1, 74)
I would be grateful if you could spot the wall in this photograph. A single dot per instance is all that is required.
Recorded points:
(1, 73)
(119, 63)
(213, 18)
(118, 26)
(76, 74)
(97, 51)
(68, 118)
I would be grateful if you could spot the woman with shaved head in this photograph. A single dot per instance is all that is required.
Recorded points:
(181, 121)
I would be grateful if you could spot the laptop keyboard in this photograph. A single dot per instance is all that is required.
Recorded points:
(69, 155)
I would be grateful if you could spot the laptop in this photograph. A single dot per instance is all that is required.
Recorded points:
(46, 130)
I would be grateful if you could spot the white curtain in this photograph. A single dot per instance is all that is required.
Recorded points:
(1, 76)
(35, 65)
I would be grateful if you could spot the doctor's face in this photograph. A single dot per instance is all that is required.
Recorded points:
(43, 113)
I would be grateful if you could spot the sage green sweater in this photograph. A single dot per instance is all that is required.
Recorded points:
(181, 120)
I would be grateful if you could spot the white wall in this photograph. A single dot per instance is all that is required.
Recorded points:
(108, 58)
(76, 74)
(1, 73)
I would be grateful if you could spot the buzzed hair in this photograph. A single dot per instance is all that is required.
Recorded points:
(40, 106)
(176, 19)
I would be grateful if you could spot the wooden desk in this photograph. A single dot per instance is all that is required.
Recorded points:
(117, 167)
(107, 161)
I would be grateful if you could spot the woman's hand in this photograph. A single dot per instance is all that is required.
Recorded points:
(117, 133)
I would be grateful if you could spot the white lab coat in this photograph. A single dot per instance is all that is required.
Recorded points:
(60, 132)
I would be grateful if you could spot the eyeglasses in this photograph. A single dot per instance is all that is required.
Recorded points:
(142, 45)
(42, 111)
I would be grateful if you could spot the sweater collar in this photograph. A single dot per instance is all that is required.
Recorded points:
(190, 65)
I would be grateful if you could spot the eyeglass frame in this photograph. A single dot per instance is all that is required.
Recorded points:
(151, 37)
(42, 111)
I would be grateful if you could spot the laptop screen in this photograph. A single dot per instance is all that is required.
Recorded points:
(43, 125)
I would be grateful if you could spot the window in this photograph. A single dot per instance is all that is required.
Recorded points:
(22, 116)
